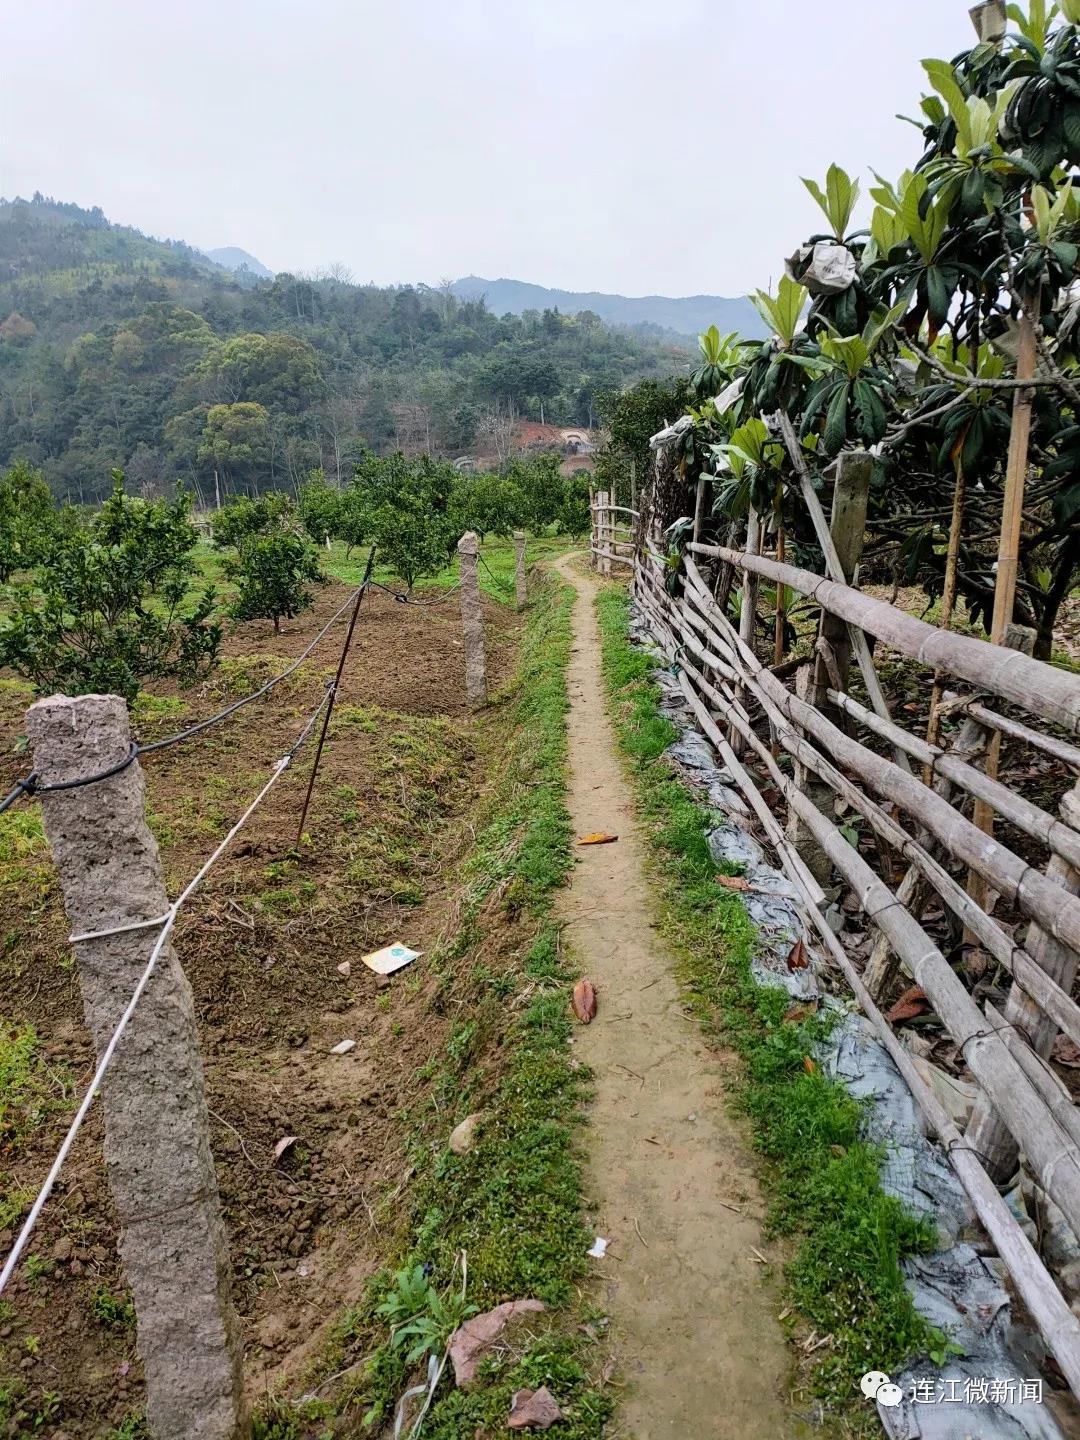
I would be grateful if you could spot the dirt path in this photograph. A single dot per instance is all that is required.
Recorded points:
(695, 1329)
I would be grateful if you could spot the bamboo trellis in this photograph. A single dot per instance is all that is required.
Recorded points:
(745, 710)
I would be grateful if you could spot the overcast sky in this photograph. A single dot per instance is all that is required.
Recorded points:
(643, 146)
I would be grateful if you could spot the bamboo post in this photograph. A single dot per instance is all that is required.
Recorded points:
(834, 568)
(1008, 561)
(748, 605)
(699, 507)
(594, 538)
(157, 1133)
(472, 620)
(832, 663)
(521, 583)
(986, 1132)
(948, 597)
(633, 484)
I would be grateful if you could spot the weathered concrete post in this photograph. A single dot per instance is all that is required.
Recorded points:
(472, 619)
(157, 1139)
(832, 665)
(522, 587)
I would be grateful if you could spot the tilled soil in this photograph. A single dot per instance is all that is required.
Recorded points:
(404, 764)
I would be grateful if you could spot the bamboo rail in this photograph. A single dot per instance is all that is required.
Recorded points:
(733, 695)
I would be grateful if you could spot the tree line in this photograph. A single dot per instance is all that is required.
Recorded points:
(102, 599)
(120, 351)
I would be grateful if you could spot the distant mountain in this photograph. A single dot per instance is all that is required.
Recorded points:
(231, 257)
(684, 317)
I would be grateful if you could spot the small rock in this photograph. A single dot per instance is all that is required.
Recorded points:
(471, 1342)
(463, 1137)
(345, 968)
(343, 1047)
(383, 982)
(62, 1249)
(533, 1410)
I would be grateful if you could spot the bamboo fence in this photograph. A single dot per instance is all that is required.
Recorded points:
(911, 794)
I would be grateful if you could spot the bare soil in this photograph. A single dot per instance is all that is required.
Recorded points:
(694, 1324)
(404, 765)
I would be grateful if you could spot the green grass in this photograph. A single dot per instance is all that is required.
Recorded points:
(848, 1235)
(497, 567)
(513, 1204)
(29, 1094)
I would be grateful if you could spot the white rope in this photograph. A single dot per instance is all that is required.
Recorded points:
(166, 922)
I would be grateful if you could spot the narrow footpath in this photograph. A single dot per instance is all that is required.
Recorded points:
(695, 1331)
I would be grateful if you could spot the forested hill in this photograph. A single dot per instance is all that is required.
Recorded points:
(120, 350)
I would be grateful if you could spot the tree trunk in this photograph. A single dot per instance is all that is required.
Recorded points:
(1068, 558)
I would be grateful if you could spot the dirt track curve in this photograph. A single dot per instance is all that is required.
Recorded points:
(694, 1327)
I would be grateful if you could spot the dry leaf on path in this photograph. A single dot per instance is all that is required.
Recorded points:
(601, 837)
(583, 1001)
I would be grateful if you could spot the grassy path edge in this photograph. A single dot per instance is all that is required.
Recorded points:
(848, 1236)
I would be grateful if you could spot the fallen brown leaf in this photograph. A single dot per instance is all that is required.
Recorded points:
(810, 1066)
(800, 1011)
(732, 882)
(599, 838)
(798, 959)
(911, 1003)
(583, 1001)
(1066, 1052)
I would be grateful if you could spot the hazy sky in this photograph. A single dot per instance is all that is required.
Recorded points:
(640, 146)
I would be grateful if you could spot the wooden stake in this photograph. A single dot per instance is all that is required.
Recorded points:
(1008, 562)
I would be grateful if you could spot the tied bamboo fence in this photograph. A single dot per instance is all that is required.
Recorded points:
(820, 748)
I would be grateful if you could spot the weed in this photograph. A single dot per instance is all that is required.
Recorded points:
(117, 1312)
(132, 1427)
(845, 1277)
(36, 1267)
(419, 1317)
(277, 1419)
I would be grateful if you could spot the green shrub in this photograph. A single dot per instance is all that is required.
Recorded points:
(110, 604)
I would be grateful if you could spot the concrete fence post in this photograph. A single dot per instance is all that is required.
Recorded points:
(521, 584)
(161, 1174)
(472, 619)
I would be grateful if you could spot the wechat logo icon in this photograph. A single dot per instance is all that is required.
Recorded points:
(876, 1385)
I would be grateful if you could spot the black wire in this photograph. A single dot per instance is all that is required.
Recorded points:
(26, 786)
(255, 694)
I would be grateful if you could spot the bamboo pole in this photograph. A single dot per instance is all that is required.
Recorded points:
(1057, 836)
(1008, 561)
(1033, 685)
(948, 598)
(1049, 744)
(834, 566)
(1026, 970)
(986, 1054)
(1036, 895)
